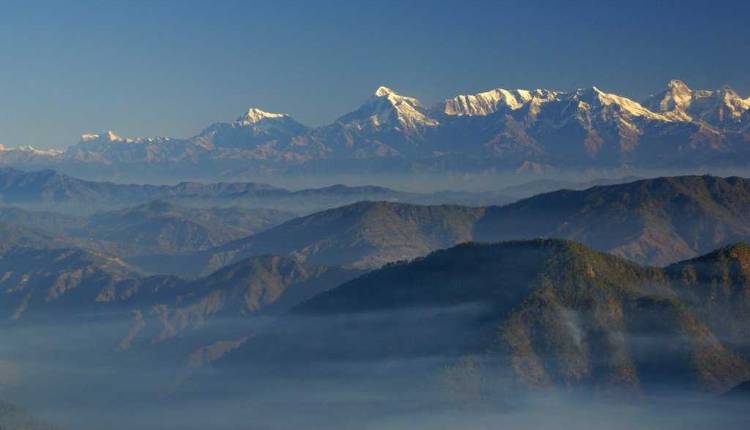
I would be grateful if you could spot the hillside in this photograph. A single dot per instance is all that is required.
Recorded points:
(57, 280)
(161, 227)
(362, 235)
(543, 313)
(18, 235)
(653, 221)
(717, 286)
(143, 235)
(70, 285)
(221, 306)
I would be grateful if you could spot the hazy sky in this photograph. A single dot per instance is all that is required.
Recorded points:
(172, 67)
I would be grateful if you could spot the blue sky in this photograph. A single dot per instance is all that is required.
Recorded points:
(172, 67)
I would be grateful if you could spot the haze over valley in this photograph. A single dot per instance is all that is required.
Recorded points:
(388, 215)
(462, 301)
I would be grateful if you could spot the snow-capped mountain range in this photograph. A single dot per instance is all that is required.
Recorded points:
(677, 127)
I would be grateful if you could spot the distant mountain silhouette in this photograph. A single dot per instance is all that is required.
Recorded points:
(55, 191)
(651, 221)
(68, 283)
(362, 235)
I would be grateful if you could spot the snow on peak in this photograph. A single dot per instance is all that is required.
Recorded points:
(384, 91)
(715, 107)
(108, 136)
(388, 108)
(733, 105)
(675, 99)
(255, 115)
(28, 149)
(111, 137)
(488, 102)
(595, 97)
(39, 151)
(394, 98)
(677, 85)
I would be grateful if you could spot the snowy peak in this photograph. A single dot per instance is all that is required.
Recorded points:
(384, 92)
(678, 86)
(395, 99)
(514, 127)
(715, 107)
(676, 98)
(108, 136)
(255, 115)
(735, 104)
(489, 102)
(262, 123)
(594, 97)
(31, 150)
(387, 109)
(722, 107)
(39, 151)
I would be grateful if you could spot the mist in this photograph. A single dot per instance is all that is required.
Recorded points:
(419, 368)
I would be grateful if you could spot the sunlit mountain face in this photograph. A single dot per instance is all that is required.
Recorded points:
(374, 215)
(538, 130)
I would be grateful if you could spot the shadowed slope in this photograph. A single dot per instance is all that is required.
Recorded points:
(653, 221)
(549, 312)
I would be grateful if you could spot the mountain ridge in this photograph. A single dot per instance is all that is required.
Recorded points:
(677, 128)
(52, 190)
(543, 312)
(652, 221)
